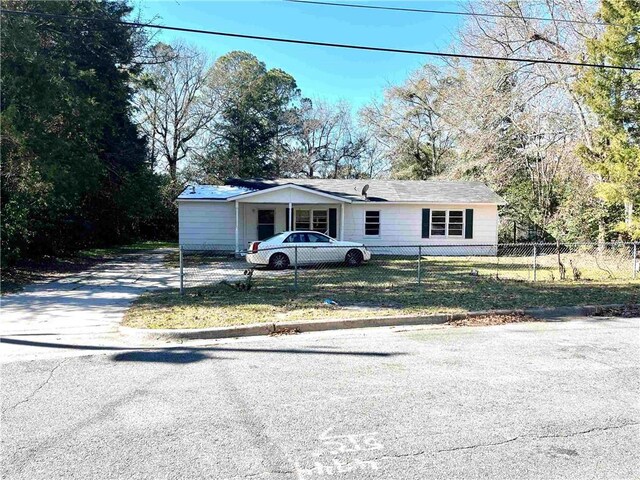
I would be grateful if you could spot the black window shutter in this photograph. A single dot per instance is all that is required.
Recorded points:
(333, 222)
(426, 214)
(468, 223)
(286, 221)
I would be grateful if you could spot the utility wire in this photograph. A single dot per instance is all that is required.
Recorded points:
(446, 12)
(320, 44)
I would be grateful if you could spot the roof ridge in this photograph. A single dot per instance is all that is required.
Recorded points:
(439, 191)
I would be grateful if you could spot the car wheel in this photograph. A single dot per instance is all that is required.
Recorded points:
(353, 258)
(279, 261)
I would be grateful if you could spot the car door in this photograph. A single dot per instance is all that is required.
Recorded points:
(321, 249)
(298, 244)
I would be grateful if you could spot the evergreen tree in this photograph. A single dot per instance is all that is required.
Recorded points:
(73, 164)
(614, 97)
(256, 105)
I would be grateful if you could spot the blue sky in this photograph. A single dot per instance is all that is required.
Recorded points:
(321, 73)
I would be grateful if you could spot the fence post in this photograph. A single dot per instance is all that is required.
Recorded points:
(535, 262)
(419, 264)
(635, 260)
(295, 268)
(181, 273)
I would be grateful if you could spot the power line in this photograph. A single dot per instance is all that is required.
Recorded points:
(447, 12)
(320, 44)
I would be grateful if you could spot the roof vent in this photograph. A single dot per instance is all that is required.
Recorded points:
(364, 191)
(193, 190)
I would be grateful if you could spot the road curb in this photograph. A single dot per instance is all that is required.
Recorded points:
(548, 314)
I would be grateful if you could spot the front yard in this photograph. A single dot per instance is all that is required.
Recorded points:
(386, 288)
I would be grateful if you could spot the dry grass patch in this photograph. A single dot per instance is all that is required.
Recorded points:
(631, 310)
(272, 300)
(492, 319)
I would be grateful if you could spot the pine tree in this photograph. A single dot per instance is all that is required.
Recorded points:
(614, 97)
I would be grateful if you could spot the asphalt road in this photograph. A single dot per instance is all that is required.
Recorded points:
(539, 400)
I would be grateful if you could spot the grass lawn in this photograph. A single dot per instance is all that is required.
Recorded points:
(121, 249)
(380, 288)
(47, 268)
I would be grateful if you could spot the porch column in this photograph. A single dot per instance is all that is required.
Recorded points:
(290, 217)
(342, 221)
(237, 230)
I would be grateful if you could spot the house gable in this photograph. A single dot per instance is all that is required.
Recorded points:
(289, 194)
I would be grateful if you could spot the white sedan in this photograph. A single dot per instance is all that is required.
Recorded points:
(307, 248)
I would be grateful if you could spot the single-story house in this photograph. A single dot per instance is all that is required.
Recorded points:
(374, 212)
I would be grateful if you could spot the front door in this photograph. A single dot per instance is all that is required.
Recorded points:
(266, 224)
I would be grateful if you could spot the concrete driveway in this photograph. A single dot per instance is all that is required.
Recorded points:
(81, 309)
(521, 401)
(203, 271)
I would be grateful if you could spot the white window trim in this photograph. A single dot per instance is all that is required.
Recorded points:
(310, 210)
(446, 222)
(364, 224)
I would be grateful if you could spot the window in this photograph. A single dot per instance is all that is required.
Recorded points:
(447, 223)
(372, 223)
(317, 238)
(297, 238)
(320, 221)
(316, 220)
(266, 217)
(455, 223)
(266, 224)
(303, 219)
(438, 223)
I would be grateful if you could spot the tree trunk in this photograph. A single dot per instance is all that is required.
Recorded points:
(561, 268)
(173, 170)
(628, 212)
(602, 230)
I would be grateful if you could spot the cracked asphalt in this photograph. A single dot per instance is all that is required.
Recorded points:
(540, 400)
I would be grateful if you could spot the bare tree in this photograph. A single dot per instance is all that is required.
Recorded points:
(412, 124)
(520, 123)
(327, 143)
(174, 110)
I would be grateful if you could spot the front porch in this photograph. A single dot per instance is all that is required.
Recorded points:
(260, 215)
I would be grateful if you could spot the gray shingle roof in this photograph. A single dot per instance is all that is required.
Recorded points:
(427, 191)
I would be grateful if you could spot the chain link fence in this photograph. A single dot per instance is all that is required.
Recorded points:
(327, 266)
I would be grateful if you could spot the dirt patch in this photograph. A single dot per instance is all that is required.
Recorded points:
(627, 311)
(279, 331)
(486, 320)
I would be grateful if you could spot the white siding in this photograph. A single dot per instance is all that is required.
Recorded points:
(401, 224)
(212, 223)
(286, 195)
(207, 223)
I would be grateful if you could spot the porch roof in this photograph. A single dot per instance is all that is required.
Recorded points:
(288, 193)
